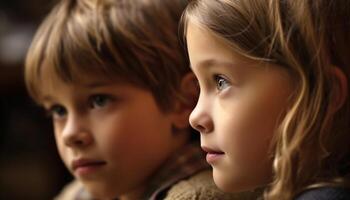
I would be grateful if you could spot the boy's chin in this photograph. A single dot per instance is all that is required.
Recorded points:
(98, 191)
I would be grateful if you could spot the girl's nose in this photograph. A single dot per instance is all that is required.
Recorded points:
(200, 119)
(76, 133)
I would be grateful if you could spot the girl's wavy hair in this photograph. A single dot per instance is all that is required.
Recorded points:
(306, 37)
(133, 41)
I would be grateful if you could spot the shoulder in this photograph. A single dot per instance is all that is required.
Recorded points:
(73, 190)
(325, 193)
(201, 186)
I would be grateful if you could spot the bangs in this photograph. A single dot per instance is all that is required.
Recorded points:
(133, 42)
(244, 30)
(73, 45)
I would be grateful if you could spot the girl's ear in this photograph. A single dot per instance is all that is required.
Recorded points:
(189, 92)
(339, 89)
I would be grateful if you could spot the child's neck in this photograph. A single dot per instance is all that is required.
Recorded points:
(133, 195)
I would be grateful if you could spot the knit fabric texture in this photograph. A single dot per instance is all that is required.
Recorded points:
(201, 187)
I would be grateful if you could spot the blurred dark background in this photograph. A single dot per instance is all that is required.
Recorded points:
(30, 167)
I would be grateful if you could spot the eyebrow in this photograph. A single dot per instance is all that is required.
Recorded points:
(96, 84)
(210, 63)
(87, 85)
(47, 99)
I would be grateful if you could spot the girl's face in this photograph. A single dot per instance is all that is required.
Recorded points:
(239, 107)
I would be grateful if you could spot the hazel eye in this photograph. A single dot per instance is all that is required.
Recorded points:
(99, 100)
(221, 82)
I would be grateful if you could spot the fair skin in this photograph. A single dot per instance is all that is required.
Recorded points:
(111, 136)
(239, 107)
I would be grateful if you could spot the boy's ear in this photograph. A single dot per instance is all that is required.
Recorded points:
(339, 89)
(189, 91)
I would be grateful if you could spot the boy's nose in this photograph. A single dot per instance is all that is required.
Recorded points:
(200, 119)
(76, 134)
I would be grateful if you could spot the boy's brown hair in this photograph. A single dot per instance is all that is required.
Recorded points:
(117, 39)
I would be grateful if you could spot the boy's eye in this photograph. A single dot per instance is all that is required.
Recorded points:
(57, 111)
(99, 100)
(221, 82)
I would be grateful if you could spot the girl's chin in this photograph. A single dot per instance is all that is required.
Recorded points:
(230, 184)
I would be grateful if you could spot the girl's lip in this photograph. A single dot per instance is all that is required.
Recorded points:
(212, 154)
(211, 151)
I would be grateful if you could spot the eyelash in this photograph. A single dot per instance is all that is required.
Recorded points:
(220, 80)
(56, 111)
(95, 100)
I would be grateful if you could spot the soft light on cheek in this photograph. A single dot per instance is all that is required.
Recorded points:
(229, 100)
(57, 135)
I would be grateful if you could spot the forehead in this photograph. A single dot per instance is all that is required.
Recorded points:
(200, 38)
(51, 80)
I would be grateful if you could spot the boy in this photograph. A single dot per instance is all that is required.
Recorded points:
(115, 80)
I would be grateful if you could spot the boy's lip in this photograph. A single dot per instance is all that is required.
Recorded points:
(83, 162)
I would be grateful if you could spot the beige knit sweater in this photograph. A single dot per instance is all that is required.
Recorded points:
(202, 187)
(70, 191)
(197, 187)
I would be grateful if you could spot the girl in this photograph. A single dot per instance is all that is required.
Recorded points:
(273, 108)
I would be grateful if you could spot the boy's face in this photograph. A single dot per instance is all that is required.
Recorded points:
(111, 136)
(238, 110)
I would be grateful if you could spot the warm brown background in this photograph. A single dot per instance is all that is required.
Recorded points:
(29, 163)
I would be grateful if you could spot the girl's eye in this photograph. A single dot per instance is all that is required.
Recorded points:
(99, 100)
(221, 82)
(57, 111)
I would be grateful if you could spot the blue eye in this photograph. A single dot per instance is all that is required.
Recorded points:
(221, 82)
(99, 100)
(57, 111)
